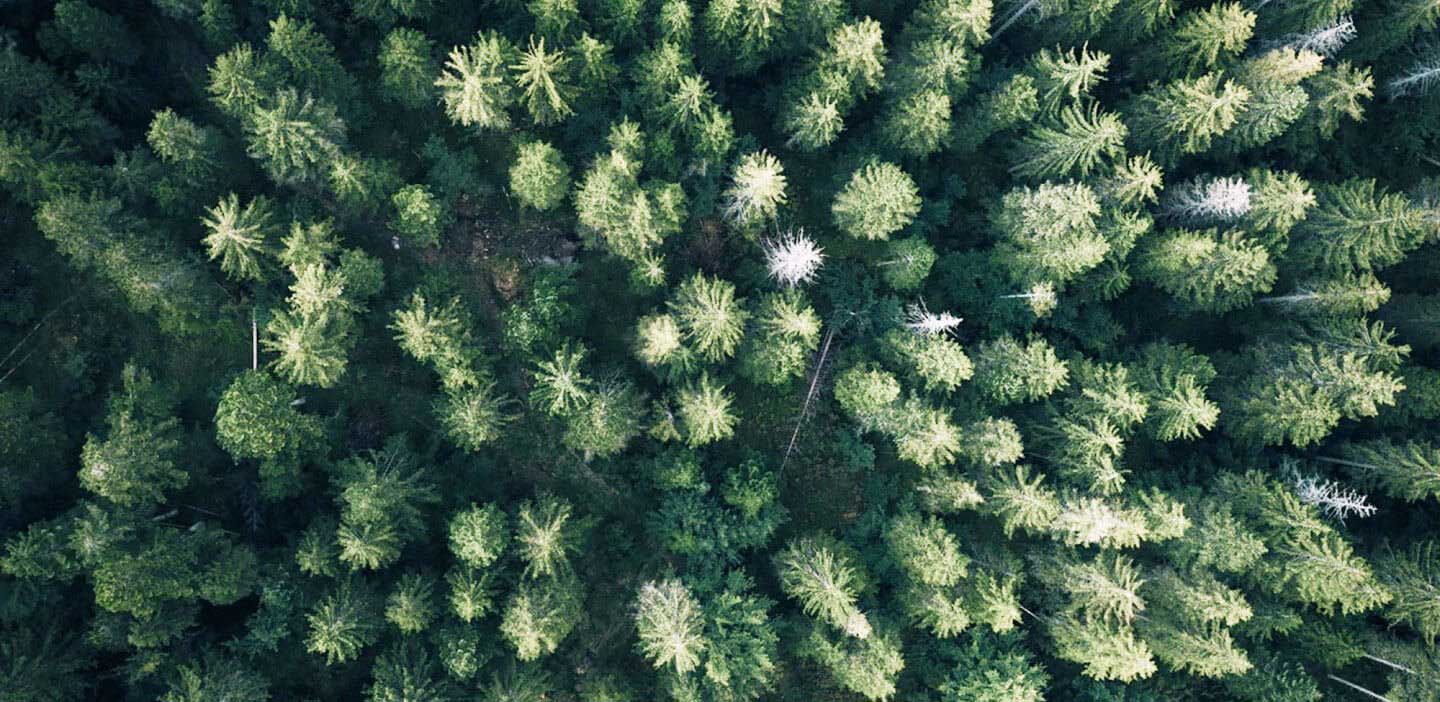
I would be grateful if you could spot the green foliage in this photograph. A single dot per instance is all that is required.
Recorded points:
(1050, 233)
(539, 179)
(256, 419)
(1185, 116)
(711, 317)
(668, 621)
(475, 86)
(1007, 371)
(704, 412)
(294, 136)
(819, 573)
(1207, 271)
(341, 624)
(419, 216)
(479, 535)
(135, 462)
(406, 66)
(1086, 350)
(877, 201)
(238, 236)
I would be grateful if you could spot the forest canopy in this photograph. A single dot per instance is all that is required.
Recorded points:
(720, 350)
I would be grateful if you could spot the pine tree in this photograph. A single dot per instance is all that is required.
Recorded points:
(1208, 271)
(407, 672)
(669, 623)
(1357, 228)
(780, 350)
(1077, 143)
(238, 236)
(1106, 651)
(539, 616)
(925, 551)
(341, 624)
(1049, 233)
(1174, 379)
(1324, 571)
(939, 362)
(479, 535)
(1066, 78)
(545, 537)
(539, 178)
(475, 85)
(867, 666)
(188, 146)
(406, 66)
(1091, 521)
(1009, 372)
(919, 125)
(818, 573)
(1185, 116)
(705, 413)
(294, 136)
(471, 593)
(135, 463)
(419, 216)
(756, 191)
(409, 606)
(877, 201)
(1412, 576)
(1204, 39)
(710, 316)
(256, 419)
(1408, 471)
(545, 88)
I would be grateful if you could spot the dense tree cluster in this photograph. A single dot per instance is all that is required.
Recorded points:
(720, 350)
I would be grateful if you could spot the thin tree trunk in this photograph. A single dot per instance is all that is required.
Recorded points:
(1014, 16)
(254, 343)
(809, 397)
(1389, 664)
(1359, 689)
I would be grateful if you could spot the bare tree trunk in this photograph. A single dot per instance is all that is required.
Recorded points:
(254, 342)
(809, 397)
(1359, 689)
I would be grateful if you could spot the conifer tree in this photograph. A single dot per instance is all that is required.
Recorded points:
(1412, 576)
(294, 136)
(545, 537)
(1009, 372)
(820, 574)
(757, 189)
(479, 535)
(539, 179)
(877, 201)
(1208, 271)
(1076, 143)
(704, 409)
(545, 88)
(668, 620)
(1408, 471)
(1356, 228)
(256, 419)
(539, 616)
(238, 235)
(407, 67)
(135, 463)
(1204, 39)
(475, 84)
(710, 317)
(1185, 116)
(1049, 233)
